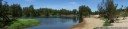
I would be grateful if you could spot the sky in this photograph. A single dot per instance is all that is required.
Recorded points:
(66, 4)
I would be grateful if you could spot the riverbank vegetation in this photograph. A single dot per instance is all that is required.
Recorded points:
(23, 23)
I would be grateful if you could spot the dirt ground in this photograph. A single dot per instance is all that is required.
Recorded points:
(94, 21)
(89, 23)
(121, 22)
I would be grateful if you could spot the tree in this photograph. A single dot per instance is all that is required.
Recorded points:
(45, 11)
(16, 10)
(84, 11)
(108, 9)
(4, 19)
(30, 11)
(64, 12)
(95, 13)
(125, 14)
(26, 11)
(5, 8)
(1, 3)
(74, 11)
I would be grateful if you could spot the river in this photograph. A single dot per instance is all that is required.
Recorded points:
(55, 23)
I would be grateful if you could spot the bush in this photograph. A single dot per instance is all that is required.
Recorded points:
(107, 22)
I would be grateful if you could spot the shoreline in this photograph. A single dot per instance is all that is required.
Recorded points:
(77, 26)
(89, 23)
(92, 22)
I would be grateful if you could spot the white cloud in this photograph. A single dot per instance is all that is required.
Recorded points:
(27, 0)
(73, 3)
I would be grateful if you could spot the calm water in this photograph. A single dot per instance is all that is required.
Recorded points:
(55, 23)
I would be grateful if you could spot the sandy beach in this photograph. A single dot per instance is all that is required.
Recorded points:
(89, 23)
(93, 22)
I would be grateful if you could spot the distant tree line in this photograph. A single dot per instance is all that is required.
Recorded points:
(16, 10)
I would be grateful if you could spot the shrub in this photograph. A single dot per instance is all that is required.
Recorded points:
(107, 22)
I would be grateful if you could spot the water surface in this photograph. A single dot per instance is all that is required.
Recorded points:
(55, 23)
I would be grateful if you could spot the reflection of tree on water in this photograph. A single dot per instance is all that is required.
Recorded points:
(48, 21)
(75, 19)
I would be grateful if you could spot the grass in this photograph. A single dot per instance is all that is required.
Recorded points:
(107, 23)
(23, 23)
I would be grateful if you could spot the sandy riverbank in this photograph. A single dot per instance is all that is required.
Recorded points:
(92, 22)
(89, 23)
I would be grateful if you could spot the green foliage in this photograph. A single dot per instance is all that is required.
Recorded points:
(84, 10)
(16, 10)
(30, 11)
(4, 19)
(54, 12)
(64, 12)
(108, 10)
(75, 11)
(107, 23)
(125, 14)
(95, 13)
(5, 8)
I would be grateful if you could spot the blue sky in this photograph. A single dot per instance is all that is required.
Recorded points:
(66, 4)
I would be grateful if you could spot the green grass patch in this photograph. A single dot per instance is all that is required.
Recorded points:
(107, 22)
(23, 23)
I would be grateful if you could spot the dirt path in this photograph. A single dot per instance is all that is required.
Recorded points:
(89, 23)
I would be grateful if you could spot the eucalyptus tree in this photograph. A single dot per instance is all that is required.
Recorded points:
(74, 11)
